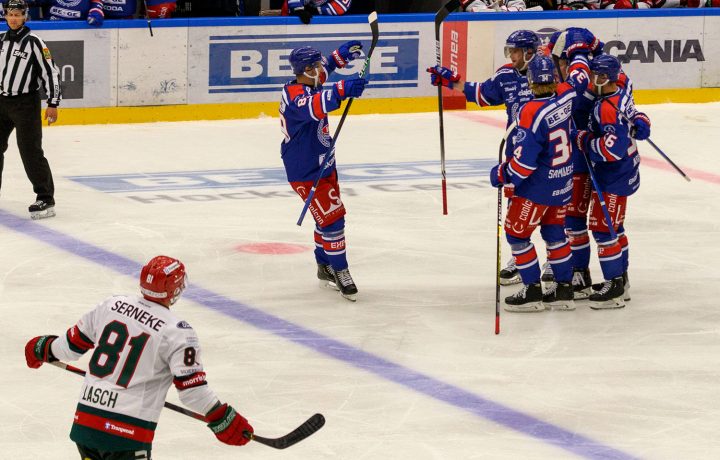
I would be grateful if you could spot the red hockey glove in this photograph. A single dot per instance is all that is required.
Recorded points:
(37, 351)
(440, 75)
(229, 426)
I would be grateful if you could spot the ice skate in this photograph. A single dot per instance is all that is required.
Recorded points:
(559, 297)
(582, 283)
(526, 300)
(609, 296)
(326, 277)
(345, 284)
(547, 273)
(510, 274)
(626, 286)
(41, 210)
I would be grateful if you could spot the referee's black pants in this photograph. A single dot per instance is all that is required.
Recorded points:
(23, 113)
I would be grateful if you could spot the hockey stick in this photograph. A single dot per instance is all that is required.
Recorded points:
(501, 152)
(309, 427)
(147, 16)
(439, 18)
(373, 21)
(601, 198)
(657, 149)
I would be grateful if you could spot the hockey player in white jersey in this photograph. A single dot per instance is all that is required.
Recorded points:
(140, 349)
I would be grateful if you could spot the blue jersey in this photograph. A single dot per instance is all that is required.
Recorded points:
(583, 112)
(303, 120)
(542, 164)
(613, 152)
(508, 86)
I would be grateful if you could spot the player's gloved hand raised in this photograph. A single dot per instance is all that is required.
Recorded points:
(346, 53)
(37, 351)
(95, 15)
(640, 129)
(440, 75)
(229, 426)
(581, 41)
(499, 175)
(353, 87)
(301, 9)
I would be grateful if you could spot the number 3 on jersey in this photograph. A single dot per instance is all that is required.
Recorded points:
(562, 147)
(112, 342)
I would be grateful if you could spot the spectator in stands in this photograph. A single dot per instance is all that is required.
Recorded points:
(306, 9)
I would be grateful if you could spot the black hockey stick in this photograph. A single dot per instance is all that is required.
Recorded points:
(440, 16)
(308, 427)
(373, 20)
(147, 16)
(657, 149)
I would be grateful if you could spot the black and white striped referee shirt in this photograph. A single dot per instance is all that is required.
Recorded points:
(25, 64)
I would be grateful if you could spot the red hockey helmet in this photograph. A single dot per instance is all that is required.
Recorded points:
(162, 280)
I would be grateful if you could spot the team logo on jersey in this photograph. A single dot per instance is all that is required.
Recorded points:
(609, 129)
(520, 136)
(183, 325)
(20, 54)
(46, 54)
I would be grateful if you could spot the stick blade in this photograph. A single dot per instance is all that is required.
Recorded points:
(448, 8)
(308, 428)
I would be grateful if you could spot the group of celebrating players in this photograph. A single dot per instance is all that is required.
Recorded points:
(577, 122)
(570, 118)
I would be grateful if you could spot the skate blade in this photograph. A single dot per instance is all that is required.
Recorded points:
(510, 281)
(532, 307)
(608, 304)
(561, 305)
(350, 297)
(37, 215)
(328, 285)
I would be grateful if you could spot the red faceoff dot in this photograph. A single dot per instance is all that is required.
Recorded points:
(272, 248)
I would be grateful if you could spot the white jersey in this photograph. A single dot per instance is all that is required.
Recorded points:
(140, 349)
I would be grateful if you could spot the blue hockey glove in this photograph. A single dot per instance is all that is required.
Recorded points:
(499, 175)
(440, 75)
(353, 87)
(640, 129)
(298, 8)
(346, 53)
(581, 41)
(95, 15)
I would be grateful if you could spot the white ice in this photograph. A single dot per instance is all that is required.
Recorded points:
(638, 382)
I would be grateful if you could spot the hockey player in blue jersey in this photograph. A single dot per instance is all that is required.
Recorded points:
(541, 169)
(509, 86)
(303, 120)
(609, 144)
(577, 212)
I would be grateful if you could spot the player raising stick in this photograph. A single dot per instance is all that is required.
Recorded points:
(140, 349)
(303, 120)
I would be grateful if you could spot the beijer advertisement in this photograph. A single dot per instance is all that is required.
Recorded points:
(233, 64)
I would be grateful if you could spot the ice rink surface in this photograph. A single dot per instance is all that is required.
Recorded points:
(413, 369)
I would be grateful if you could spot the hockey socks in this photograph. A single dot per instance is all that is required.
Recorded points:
(577, 232)
(610, 255)
(526, 261)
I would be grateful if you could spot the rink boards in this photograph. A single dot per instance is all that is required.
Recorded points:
(234, 67)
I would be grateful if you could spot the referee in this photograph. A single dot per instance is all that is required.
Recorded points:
(25, 63)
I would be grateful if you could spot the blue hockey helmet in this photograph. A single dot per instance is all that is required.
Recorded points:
(541, 70)
(303, 57)
(606, 64)
(524, 39)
